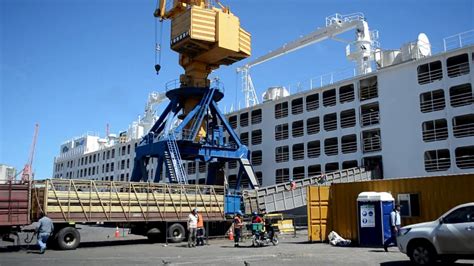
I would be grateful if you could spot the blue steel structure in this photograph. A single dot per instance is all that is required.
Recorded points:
(175, 139)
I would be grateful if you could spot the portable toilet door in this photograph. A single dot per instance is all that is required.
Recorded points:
(374, 217)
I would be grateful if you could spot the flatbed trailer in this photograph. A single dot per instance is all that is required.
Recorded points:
(150, 209)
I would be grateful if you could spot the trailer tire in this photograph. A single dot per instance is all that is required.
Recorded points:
(154, 235)
(176, 233)
(68, 238)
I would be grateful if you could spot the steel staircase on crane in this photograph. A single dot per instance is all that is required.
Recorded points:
(174, 163)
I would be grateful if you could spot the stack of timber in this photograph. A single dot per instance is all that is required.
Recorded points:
(91, 201)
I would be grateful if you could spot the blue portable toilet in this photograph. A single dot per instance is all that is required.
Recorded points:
(374, 210)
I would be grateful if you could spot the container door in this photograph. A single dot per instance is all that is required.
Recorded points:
(387, 207)
(317, 203)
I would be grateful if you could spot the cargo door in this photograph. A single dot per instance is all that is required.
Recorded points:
(317, 204)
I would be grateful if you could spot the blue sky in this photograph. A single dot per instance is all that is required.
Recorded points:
(75, 65)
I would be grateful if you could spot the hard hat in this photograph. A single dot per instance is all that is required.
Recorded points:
(195, 210)
(254, 213)
(239, 212)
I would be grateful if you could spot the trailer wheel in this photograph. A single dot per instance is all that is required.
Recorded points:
(68, 238)
(154, 235)
(176, 233)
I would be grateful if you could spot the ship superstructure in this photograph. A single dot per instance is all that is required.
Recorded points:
(412, 116)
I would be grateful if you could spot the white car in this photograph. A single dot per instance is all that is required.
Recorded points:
(448, 239)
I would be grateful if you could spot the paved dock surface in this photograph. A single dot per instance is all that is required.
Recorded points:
(99, 247)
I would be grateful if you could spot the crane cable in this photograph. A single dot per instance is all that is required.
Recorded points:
(158, 39)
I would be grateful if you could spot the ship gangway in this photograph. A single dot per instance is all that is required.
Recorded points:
(287, 196)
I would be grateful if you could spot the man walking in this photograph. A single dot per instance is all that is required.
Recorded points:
(395, 225)
(192, 227)
(44, 230)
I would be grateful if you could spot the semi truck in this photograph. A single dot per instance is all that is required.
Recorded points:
(155, 210)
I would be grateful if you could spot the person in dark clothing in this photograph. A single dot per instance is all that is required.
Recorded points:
(44, 230)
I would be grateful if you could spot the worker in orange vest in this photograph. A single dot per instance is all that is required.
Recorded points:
(200, 230)
(238, 224)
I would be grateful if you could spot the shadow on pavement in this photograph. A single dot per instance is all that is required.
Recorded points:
(17, 248)
(114, 243)
(381, 251)
(396, 263)
(407, 262)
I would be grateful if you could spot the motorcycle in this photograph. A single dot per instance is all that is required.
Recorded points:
(262, 237)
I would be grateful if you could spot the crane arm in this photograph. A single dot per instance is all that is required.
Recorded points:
(318, 35)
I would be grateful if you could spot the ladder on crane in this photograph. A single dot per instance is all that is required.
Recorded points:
(174, 163)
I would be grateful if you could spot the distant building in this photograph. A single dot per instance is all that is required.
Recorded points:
(6, 173)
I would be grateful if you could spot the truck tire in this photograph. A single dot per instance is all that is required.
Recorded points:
(68, 238)
(176, 233)
(153, 235)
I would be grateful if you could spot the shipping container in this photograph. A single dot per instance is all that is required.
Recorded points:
(422, 199)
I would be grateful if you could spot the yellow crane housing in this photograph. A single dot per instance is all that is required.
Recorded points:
(205, 37)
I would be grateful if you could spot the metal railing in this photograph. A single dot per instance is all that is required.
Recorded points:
(313, 128)
(256, 139)
(369, 92)
(298, 154)
(458, 69)
(329, 100)
(256, 119)
(281, 134)
(257, 160)
(330, 125)
(297, 109)
(282, 156)
(346, 96)
(312, 105)
(430, 76)
(372, 144)
(314, 152)
(331, 149)
(432, 105)
(465, 161)
(281, 112)
(348, 121)
(463, 130)
(435, 165)
(435, 134)
(458, 40)
(211, 83)
(349, 147)
(371, 118)
(297, 131)
(244, 122)
(461, 99)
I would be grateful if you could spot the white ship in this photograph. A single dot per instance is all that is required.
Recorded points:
(405, 113)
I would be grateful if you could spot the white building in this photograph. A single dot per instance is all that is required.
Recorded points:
(6, 173)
